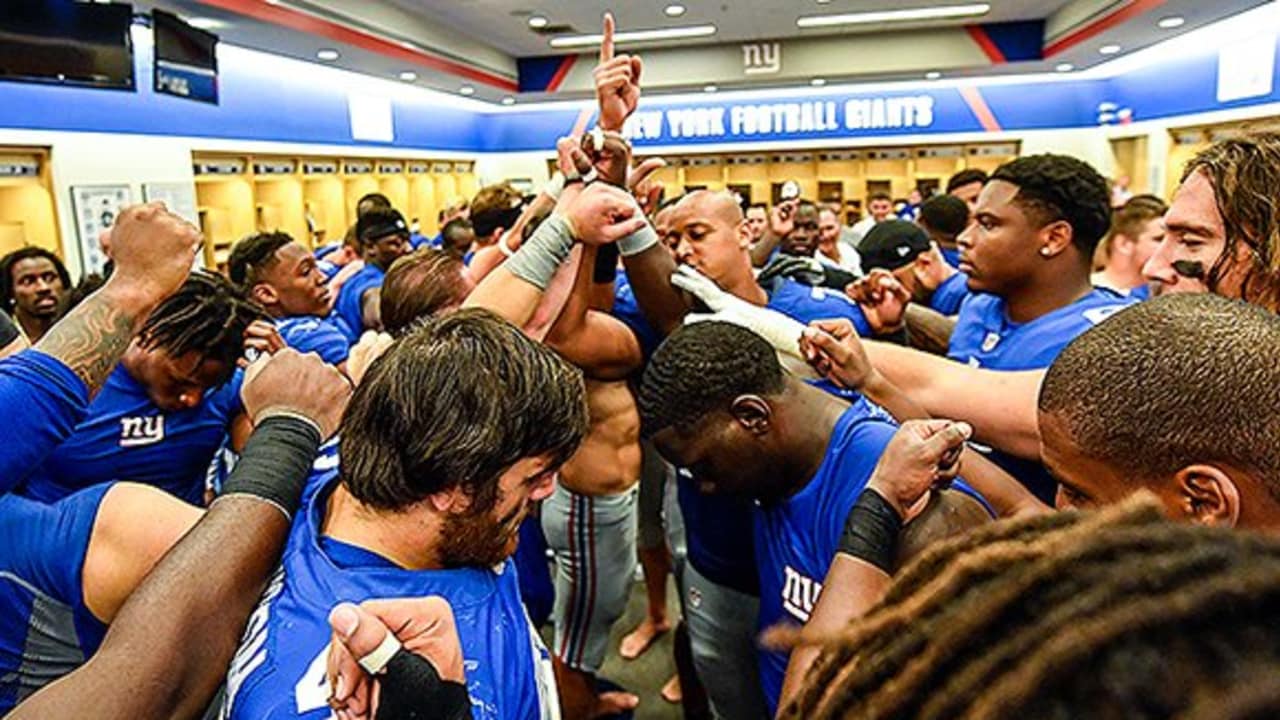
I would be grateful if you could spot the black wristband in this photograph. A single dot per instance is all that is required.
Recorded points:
(871, 531)
(412, 690)
(606, 269)
(276, 462)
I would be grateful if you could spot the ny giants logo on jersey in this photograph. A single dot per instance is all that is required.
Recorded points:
(138, 431)
(799, 594)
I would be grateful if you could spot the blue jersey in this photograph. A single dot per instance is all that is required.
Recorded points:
(126, 437)
(949, 295)
(985, 337)
(806, 304)
(796, 539)
(627, 309)
(279, 670)
(349, 306)
(47, 631)
(327, 269)
(1142, 292)
(308, 333)
(44, 400)
(717, 531)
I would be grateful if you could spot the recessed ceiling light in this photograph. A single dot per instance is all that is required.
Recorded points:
(710, 88)
(932, 75)
(327, 54)
(408, 76)
(1109, 49)
(671, 33)
(886, 16)
(673, 10)
(206, 23)
(538, 21)
(1173, 21)
(467, 90)
(508, 100)
(817, 82)
(1064, 67)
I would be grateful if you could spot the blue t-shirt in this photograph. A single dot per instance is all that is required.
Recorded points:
(279, 670)
(348, 307)
(308, 333)
(126, 437)
(796, 539)
(417, 240)
(327, 268)
(806, 304)
(1142, 292)
(46, 630)
(44, 400)
(985, 337)
(718, 536)
(950, 294)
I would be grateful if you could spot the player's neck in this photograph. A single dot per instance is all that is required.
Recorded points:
(746, 288)
(814, 414)
(405, 538)
(1044, 295)
(33, 326)
(1122, 278)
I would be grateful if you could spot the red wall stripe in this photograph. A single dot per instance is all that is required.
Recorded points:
(566, 64)
(985, 42)
(1132, 9)
(978, 104)
(303, 22)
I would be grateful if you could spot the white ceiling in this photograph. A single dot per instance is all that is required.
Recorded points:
(503, 23)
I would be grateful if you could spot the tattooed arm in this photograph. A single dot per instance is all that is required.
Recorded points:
(153, 251)
(45, 392)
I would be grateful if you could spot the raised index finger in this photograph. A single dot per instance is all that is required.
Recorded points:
(606, 42)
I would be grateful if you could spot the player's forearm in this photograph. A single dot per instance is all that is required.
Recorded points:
(763, 248)
(650, 275)
(851, 588)
(93, 336)
(929, 330)
(1001, 406)
(1003, 493)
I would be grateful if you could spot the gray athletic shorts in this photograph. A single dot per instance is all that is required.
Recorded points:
(594, 541)
(722, 632)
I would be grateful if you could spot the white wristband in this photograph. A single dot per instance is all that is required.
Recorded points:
(376, 661)
(554, 186)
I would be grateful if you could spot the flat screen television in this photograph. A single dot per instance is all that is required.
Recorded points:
(61, 41)
(186, 58)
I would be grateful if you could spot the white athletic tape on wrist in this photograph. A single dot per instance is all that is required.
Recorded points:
(376, 661)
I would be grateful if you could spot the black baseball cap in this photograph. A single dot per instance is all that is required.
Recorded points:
(892, 244)
(379, 223)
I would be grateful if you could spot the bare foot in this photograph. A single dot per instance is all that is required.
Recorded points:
(614, 702)
(637, 641)
(671, 691)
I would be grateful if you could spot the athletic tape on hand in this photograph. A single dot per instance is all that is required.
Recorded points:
(376, 661)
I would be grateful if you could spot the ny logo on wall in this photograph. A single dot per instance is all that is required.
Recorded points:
(761, 58)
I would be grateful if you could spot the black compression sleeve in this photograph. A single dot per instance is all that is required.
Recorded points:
(871, 531)
(413, 690)
(276, 462)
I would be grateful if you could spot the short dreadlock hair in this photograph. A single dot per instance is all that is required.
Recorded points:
(208, 315)
(253, 254)
(1245, 173)
(1121, 613)
(1060, 187)
(701, 368)
(1178, 380)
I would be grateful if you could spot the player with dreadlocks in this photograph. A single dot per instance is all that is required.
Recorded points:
(1118, 614)
(166, 407)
